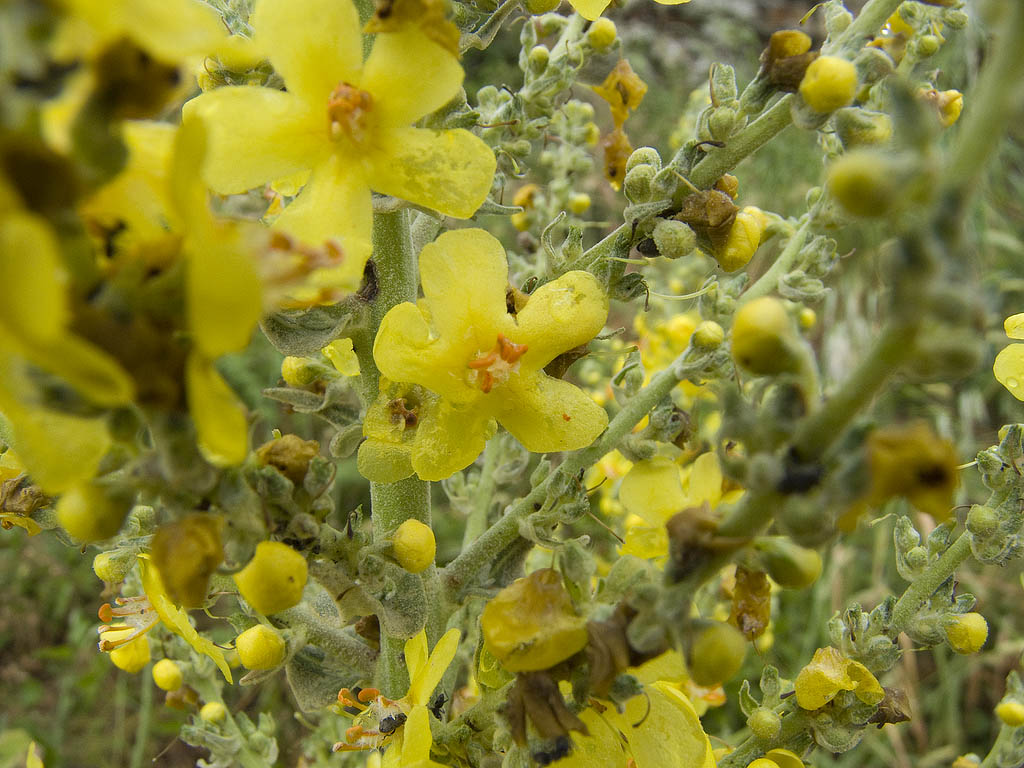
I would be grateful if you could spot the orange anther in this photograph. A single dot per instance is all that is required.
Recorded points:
(566, 417)
(510, 352)
(353, 733)
(368, 694)
(106, 613)
(483, 362)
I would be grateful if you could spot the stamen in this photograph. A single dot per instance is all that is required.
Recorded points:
(497, 364)
(368, 694)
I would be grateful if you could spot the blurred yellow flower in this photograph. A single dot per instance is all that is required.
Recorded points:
(346, 123)
(1009, 364)
(485, 363)
(592, 9)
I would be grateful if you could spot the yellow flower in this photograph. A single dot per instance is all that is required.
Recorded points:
(408, 743)
(592, 9)
(486, 364)
(347, 123)
(655, 729)
(137, 615)
(1009, 364)
(829, 673)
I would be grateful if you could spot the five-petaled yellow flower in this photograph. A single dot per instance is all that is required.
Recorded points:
(346, 121)
(485, 363)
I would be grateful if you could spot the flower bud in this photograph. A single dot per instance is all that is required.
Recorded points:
(637, 185)
(764, 723)
(829, 83)
(967, 632)
(790, 565)
(741, 243)
(862, 182)
(299, 371)
(673, 239)
(113, 566)
(1010, 713)
(762, 336)
(414, 546)
(537, 7)
(532, 624)
(167, 675)
(602, 33)
(260, 647)
(274, 579)
(956, 19)
(860, 127)
(579, 203)
(807, 318)
(538, 58)
(186, 553)
(716, 652)
(290, 455)
(982, 521)
(644, 156)
(722, 122)
(91, 512)
(213, 712)
(927, 46)
(521, 221)
(837, 19)
(708, 335)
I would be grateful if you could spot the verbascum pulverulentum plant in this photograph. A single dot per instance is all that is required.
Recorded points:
(629, 489)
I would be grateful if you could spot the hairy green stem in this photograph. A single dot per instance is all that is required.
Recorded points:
(924, 586)
(458, 573)
(483, 494)
(343, 646)
(145, 716)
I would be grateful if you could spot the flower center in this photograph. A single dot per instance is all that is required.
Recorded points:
(495, 366)
(348, 110)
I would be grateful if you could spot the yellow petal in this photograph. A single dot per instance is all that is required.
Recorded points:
(95, 374)
(559, 316)
(313, 44)
(416, 739)
(409, 76)
(335, 205)
(342, 356)
(426, 679)
(1014, 326)
(671, 732)
(602, 748)
(224, 294)
(175, 619)
(546, 414)
(256, 135)
(668, 667)
(416, 654)
(589, 9)
(33, 304)
(820, 681)
(169, 29)
(383, 462)
(133, 656)
(221, 428)
(449, 438)
(450, 171)
(188, 194)
(784, 758)
(643, 540)
(671, 2)
(653, 491)
(1009, 369)
(464, 274)
(31, 526)
(705, 481)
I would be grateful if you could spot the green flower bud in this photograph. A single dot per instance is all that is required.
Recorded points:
(956, 19)
(716, 652)
(861, 127)
(982, 521)
(113, 566)
(764, 723)
(862, 183)
(538, 59)
(637, 184)
(762, 337)
(708, 335)
(837, 19)
(672, 238)
(722, 122)
(644, 156)
(790, 565)
(602, 33)
(927, 46)
(723, 84)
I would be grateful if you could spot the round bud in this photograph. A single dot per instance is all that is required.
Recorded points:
(1011, 713)
(673, 239)
(829, 83)
(592, 134)
(89, 512)
(860, 127)
(133, 656)
(260, 647)
(113, 566)
(982, 521)
(414, 546)
(708, 335)
(862, 183)
(538, 59)
(637, 184)
(167, 675)
(579, 202)
(520, 221)
(790, 565)
(742, 241)
(927, 46)
(762, 336)
(956, 19)
(716, 653)
(274, 579)
(298, 371)
(602, 33)
(537, 7)
(213, 712)
(644, 156)
(764, 723)
(722, 122)
(967, 632)
(807, 318)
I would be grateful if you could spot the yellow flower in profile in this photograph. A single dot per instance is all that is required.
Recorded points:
(402, 725)
(1009, 364)
(347, 123)
(137, 615)
(592, 9)
(485, 363)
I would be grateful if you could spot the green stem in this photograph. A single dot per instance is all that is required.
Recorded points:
(145, 716)
(502, 533)
(483, 494)
(769, 281)
(924, 586)
(342, 646)
(750, 139)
